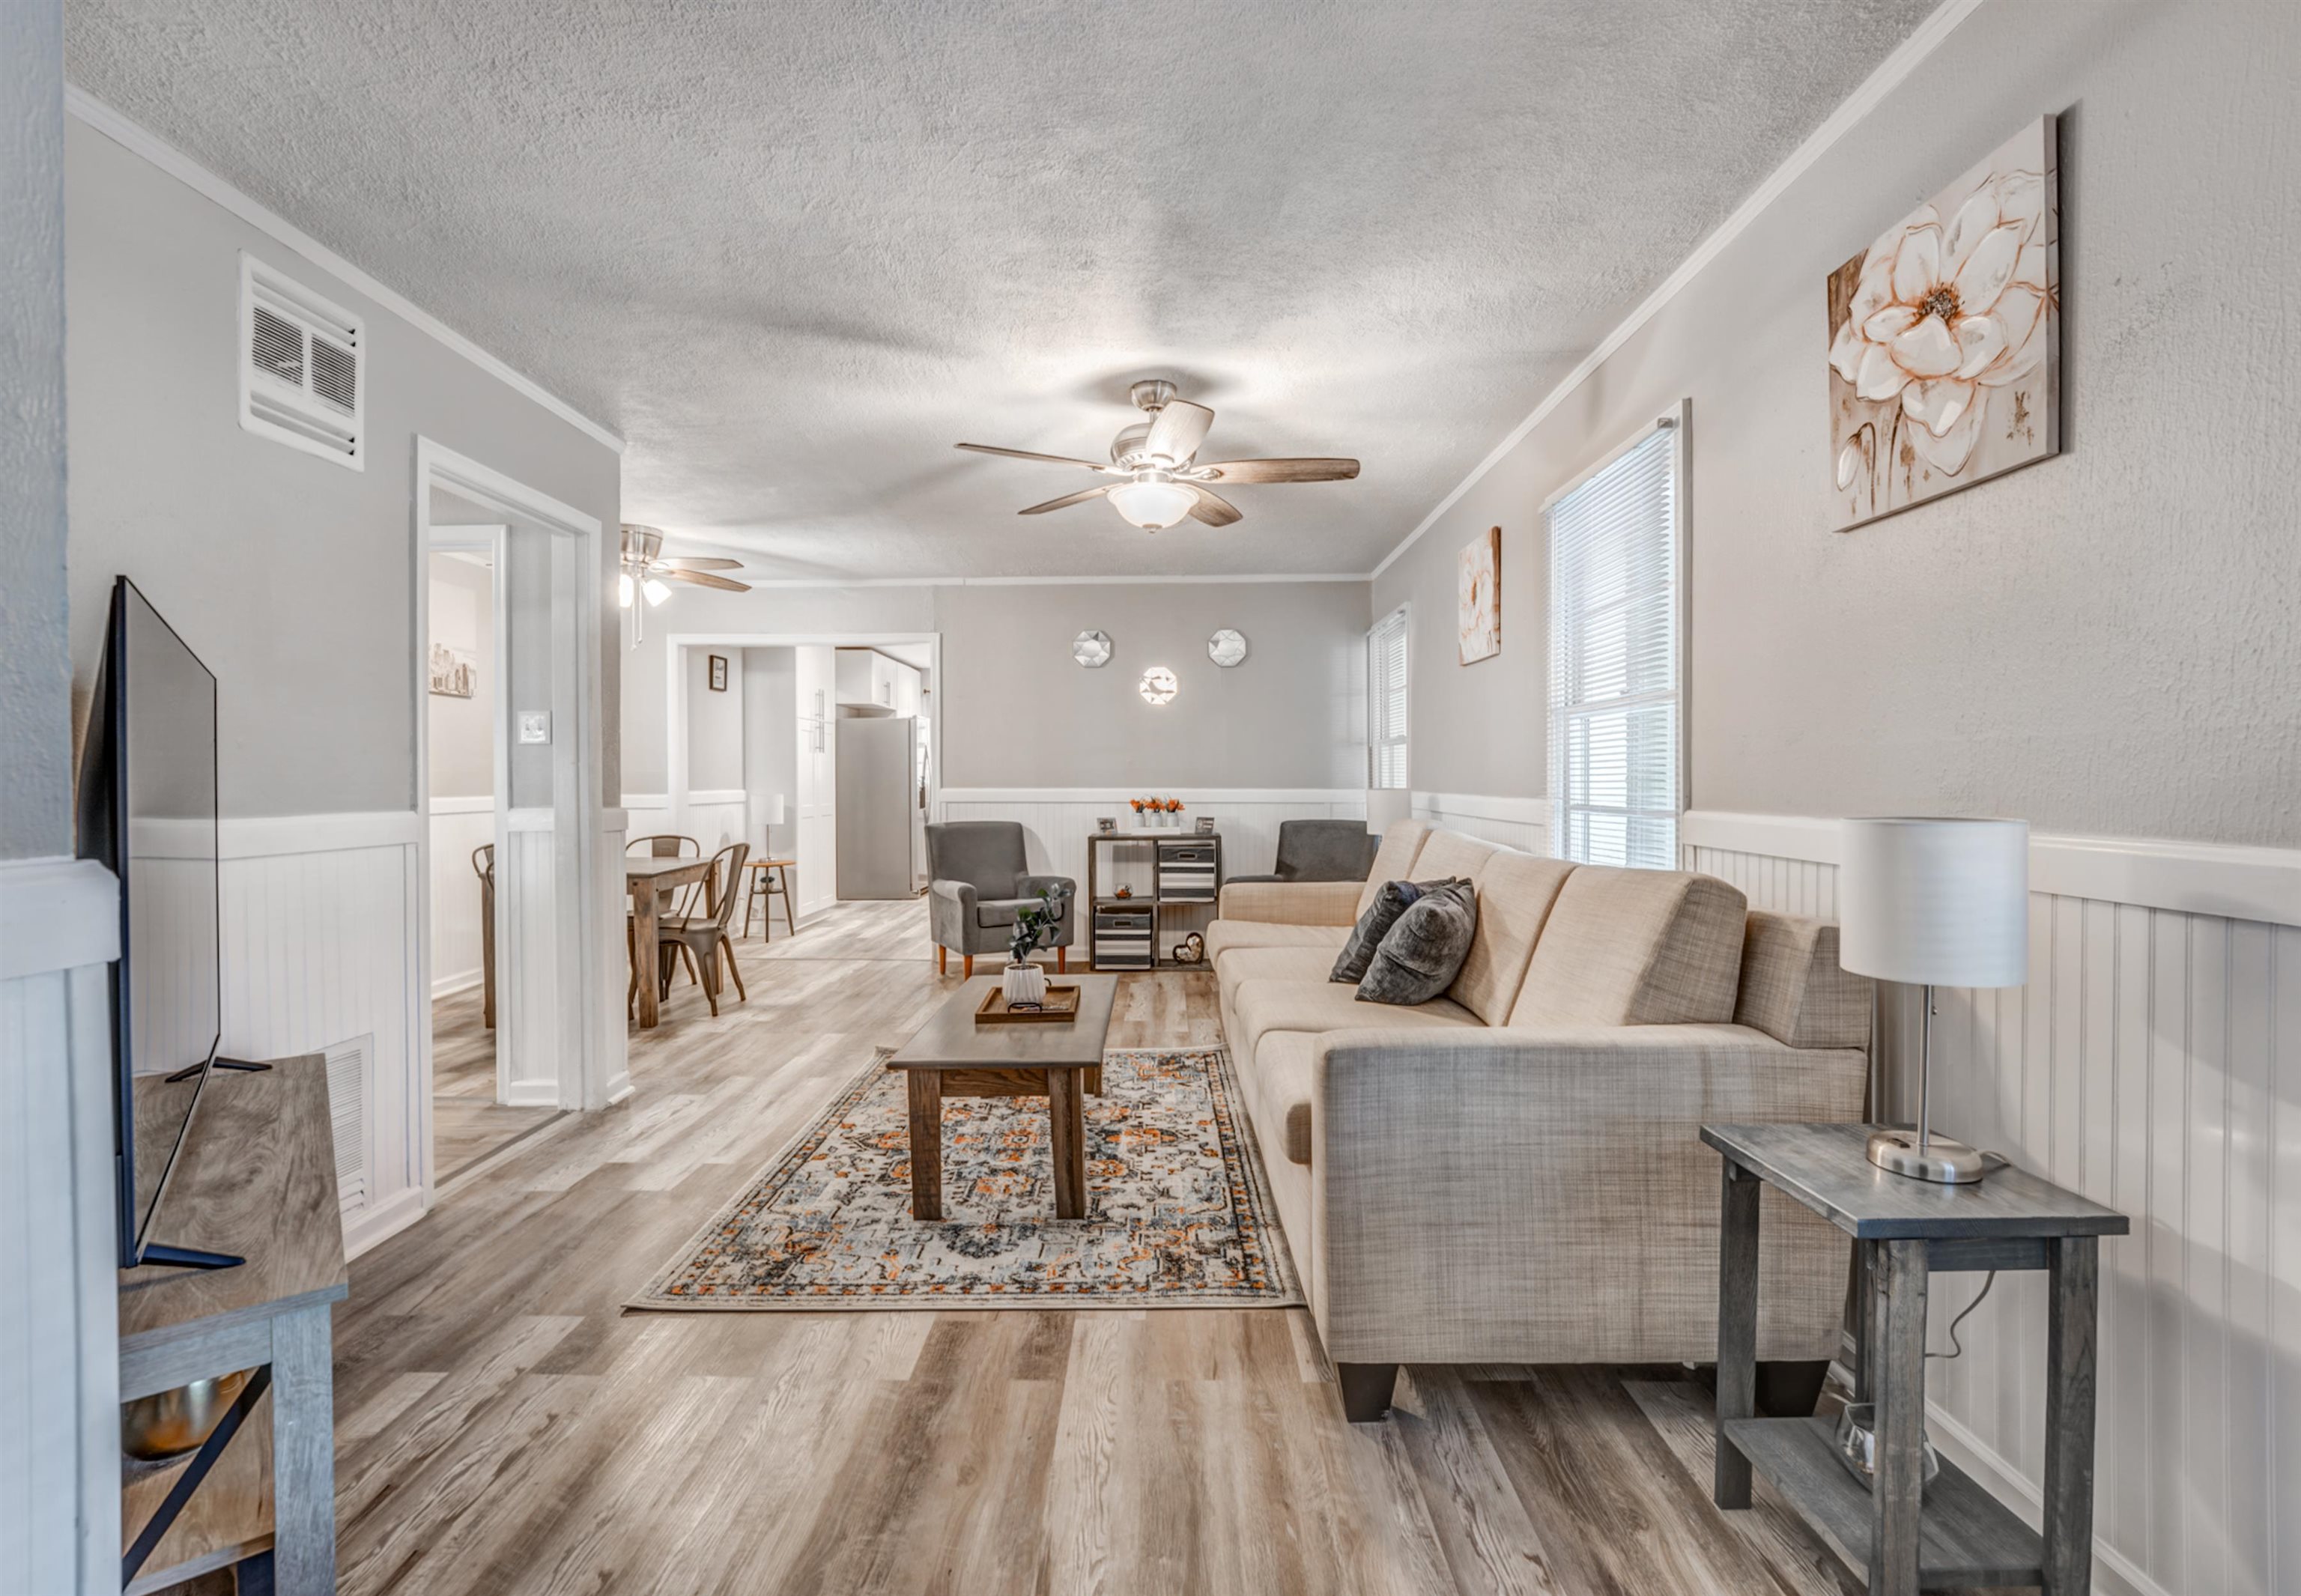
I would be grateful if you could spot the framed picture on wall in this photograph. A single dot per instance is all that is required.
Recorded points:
(1479, 598)
(718, 673)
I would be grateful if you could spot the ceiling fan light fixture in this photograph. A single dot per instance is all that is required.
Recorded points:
(1153, 503)
(623, 590)
(656, 588)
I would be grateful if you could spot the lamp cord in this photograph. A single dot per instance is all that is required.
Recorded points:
(1956, 1348)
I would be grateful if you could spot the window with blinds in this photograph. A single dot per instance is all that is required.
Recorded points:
(1386, 701)
(1614, 660)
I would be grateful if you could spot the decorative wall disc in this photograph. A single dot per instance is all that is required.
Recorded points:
(1227, 647)
(1158, 685)
(1092, 649)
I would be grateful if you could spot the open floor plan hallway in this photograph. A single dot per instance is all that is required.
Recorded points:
(505, 1426)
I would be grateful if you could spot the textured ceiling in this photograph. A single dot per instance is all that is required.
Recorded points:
(794, 252)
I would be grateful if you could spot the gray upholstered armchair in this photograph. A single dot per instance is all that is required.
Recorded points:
(981, 879)
(1321, 850)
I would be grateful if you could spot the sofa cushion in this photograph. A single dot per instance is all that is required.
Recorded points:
(1268, 964)
(1793, 987)
(1514, 898)
(1394, 861)
(1263, 1007)
(1390, 899)
(1230, 936)
(1279, 1091)
(1420, 956)
(1450, 853)
(1635, 948)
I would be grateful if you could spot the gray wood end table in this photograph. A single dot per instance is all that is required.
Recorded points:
(1059, 1060)
(1954, 1533)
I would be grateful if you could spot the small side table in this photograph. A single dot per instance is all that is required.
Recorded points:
(770, 878)
(1955, 1533)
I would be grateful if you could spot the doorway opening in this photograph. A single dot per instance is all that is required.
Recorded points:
(820, 751)
(512, 834)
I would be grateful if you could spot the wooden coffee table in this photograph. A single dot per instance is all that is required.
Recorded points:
(1060, 1061)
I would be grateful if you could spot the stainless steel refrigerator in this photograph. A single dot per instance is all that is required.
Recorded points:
(879, 834)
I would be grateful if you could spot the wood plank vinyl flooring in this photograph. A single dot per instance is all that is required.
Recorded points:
(505, 1427)
(467, 1123)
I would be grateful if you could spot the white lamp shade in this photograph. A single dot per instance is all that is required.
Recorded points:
(1386, 807)
(774, 809)
(1936, 902)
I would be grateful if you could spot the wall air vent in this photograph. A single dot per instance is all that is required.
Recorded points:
(348, 1068)
(300, 381)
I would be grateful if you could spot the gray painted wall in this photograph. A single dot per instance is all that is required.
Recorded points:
(715, 724)
(290, 576)
(1016, 711)
(2104, 643)
(771, 734)
(462, 730)
(35, 666)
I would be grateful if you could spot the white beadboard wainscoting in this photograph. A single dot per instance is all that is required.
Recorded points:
(458, 826)
(2153, 1064)
(321, 948)
(1518, 823)
(528, 975)
(59, 1319)
(1057, 820)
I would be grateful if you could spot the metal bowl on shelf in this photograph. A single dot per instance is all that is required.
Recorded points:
(169, 1424)
(1857, 1445)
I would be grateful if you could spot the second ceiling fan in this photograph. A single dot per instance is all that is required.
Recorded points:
(1159, 481)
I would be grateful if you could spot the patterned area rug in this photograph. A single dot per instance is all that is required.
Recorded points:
(1178, 1215)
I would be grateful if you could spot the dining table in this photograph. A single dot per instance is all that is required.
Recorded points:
(648, 879)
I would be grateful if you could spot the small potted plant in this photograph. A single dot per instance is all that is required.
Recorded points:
(1026, 983)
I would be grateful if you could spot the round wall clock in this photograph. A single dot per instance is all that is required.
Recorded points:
(1092, 649)
(1227, 647)
(1158, 685)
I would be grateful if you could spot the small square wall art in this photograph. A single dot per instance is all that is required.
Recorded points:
(1945, 339)
(1479, 598)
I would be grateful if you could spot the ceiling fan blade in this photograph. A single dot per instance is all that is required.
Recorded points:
(700, 564)
(987, 449)
(1177, 429)
(1067, 500)
(702, 579)
(1212, 508)
(1284, 470)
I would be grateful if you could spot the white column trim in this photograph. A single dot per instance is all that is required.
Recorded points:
(57, 914)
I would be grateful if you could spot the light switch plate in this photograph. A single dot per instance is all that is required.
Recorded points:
(535, 725)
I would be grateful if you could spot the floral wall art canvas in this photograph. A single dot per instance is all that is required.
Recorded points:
(1945, 350)
(1479, 598)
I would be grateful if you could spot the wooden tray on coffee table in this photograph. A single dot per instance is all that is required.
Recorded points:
(1062, 1007)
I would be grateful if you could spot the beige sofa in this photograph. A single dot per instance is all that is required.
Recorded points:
(1510, 1173)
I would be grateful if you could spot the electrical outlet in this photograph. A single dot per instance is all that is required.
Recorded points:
(535, 725)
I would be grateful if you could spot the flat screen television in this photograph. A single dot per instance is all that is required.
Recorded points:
(147, 811)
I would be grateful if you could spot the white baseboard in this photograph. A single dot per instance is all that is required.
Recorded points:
(386, 1219)
(2112, 1572)
(532, 1094)
(462, 981)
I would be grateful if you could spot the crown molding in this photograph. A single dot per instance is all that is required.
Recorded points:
(1905, 60)
(142, 141)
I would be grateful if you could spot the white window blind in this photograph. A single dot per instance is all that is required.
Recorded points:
(1386, 701)
(1614, 665)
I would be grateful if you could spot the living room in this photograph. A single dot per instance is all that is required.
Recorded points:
(1560, 475)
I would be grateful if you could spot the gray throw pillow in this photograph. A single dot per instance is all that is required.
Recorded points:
(1425, 949)
(1391, 900)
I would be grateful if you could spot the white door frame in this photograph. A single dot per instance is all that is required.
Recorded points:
(674, 722)
(593, 1072)
(494, 541)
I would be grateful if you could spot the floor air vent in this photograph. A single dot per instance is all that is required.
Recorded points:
(300, 381)
(347, 1084)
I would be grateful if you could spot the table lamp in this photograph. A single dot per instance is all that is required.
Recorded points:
(1934, 902)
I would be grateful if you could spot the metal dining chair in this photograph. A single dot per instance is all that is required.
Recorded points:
(702, 938)
(483, 865)
(659, 845)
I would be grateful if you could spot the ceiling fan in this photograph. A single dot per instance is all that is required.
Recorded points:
(1155, 461)
(648, 574)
